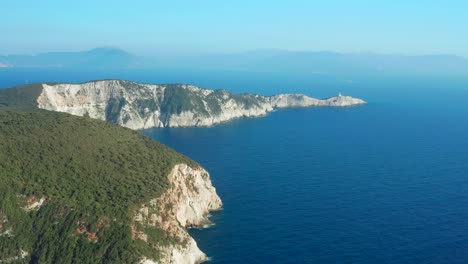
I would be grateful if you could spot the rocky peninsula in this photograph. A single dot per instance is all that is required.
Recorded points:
(141, 106)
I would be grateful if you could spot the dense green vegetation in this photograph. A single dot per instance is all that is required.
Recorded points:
(177, 100)
(20, 97)
(248, 100)
(93, 175)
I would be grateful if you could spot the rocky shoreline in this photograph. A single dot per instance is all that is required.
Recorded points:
(187, 203)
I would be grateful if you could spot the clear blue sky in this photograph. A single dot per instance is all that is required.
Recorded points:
(152, 26)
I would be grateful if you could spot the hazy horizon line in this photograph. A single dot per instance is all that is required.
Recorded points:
(221, 53)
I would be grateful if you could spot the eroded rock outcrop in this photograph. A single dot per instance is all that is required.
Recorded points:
(141, 106)
(187, 202)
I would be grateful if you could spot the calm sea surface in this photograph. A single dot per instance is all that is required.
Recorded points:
(386, 182)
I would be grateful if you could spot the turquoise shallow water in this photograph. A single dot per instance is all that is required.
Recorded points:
(382, 183)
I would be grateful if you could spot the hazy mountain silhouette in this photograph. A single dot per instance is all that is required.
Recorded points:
(104, 57)
(254, 61)
(321, 62)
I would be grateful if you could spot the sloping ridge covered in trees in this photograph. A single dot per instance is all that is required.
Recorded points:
(68, 186)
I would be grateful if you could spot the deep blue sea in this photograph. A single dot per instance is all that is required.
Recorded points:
(386, 182)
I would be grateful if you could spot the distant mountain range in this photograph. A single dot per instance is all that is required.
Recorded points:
(256, 61)
(326, 63)
(95, 58)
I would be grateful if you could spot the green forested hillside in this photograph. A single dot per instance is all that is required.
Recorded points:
(21, 98)
(91, 174)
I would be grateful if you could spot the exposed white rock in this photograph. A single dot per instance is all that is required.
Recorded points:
(141, 106)
(8, 232)
(3, 219)
(187, 202)
(293, 100)
(96, 99)
(34, 204)
(193, 195)
(22, 254)
(4, 231)
(342, 101)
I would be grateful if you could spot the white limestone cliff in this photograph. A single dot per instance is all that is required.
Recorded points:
(300, 100)
(141, 106)
(186, 203)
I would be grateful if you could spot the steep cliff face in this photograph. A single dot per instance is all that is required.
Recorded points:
(187, 202)
(129, 104)
(140, 106)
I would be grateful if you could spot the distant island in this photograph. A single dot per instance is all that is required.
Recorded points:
(141, 106)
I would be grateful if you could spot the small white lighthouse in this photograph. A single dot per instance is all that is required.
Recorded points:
(339, 94)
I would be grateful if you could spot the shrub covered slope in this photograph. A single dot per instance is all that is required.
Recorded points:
(89, 175)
